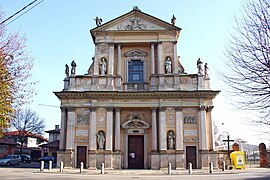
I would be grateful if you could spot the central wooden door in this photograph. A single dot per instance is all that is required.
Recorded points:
(81, 156)
(191, 156)
(135, 152)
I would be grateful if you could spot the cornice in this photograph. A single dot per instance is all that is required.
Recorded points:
(207, 94)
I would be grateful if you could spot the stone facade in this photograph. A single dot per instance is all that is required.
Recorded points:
(138, 96)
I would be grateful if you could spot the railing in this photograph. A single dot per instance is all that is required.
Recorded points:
(135, 86)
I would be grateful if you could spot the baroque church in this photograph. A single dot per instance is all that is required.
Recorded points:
(136, 107)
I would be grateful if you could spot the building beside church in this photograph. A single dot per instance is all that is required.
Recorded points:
(136, 107)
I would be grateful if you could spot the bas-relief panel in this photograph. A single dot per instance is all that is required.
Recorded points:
(167, 48)
(101, 117)
(135, 23)
(82, 119)
(170, 117)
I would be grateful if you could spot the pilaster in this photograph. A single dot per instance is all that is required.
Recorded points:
(202, 128)
(109, 128)
(162, 129)
(117, 129)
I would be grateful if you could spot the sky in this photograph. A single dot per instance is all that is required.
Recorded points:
(58, 32)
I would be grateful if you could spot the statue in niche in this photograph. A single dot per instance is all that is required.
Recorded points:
(98, 21)
(199, 66)
(171, 138)
(103, 66)
(206, 69)
(73, 67)
(100, 140)
(67, 71)
(168, 65)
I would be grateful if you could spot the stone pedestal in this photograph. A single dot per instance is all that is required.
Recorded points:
(92, 160)
(153, 84)
(117, 160)
(176, 83)
(109, 84)
(60, 157)
(118, 83)
(69, 159)
(108, 161)
(161, 83)
(163, 160)
(155, 161)
(204, 159)
(180, 160)
(213, 157)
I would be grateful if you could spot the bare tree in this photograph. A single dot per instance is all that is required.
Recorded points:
(28, 124)
(15, 66)
(248, 60)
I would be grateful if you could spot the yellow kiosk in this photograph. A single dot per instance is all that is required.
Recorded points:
(238, 159)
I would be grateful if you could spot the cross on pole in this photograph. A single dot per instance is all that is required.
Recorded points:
(228, 140)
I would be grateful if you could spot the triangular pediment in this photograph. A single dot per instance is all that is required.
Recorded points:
(135, 52)
(135, 20)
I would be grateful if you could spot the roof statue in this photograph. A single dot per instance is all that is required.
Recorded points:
(173, 20)
(199, 66)
(98, 21)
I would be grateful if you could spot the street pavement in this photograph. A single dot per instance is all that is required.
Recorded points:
(32, 171)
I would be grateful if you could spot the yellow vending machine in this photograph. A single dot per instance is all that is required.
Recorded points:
(238, 159)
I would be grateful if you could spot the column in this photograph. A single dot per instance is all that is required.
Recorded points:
(118, 77)
(162, 129)
(117, 129)
(175, 59)
(70, 128)
(119, 59)
(212, 135)
(202, 128)
(179, 128)
(63, 134)
(154, 129)
(109, 128)
(152, 58)
(110, 67)
(159, 57)
(92, 129)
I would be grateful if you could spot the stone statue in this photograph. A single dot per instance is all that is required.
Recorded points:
(67, 71)
(168, 66)
(100, 140)
(103, 66)
(73, 67)
(98, 21)
(171, 138)
(173, 20)
(181, 69)
(199, 66)
(205, 70)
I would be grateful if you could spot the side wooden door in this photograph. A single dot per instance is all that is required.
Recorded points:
(135, 152)
(81, 156)
(191, 156)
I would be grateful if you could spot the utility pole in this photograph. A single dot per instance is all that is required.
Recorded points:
(228, 140)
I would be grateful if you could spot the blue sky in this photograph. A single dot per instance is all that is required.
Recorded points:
(58, 32)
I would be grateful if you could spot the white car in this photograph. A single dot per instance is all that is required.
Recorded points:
(11, 159)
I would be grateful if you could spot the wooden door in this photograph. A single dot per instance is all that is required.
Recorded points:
(81, 156)
(191, 156)
(135, 152)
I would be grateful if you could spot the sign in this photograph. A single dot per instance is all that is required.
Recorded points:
(190, 133)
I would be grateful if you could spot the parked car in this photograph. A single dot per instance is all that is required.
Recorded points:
(11, 159)
(26, 158)
(47, 159)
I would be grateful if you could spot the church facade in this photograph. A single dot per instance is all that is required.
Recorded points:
(136, 108)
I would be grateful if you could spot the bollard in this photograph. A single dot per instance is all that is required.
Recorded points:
(211, 167)
(102, 168)
(50, 165)
(223, 165)
(169, 168)
(81, 168)
(190, 168)
(61, 166)
(42, 166)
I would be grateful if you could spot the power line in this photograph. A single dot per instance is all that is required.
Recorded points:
(20, 12)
